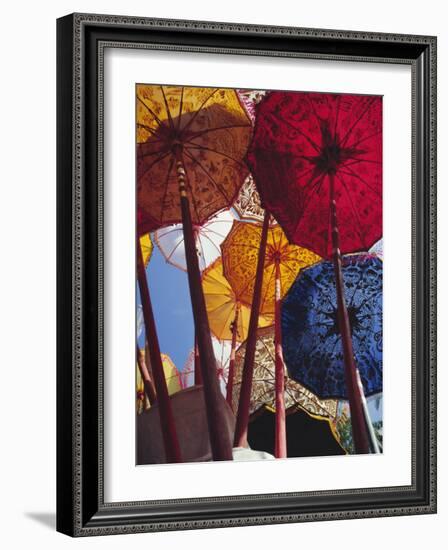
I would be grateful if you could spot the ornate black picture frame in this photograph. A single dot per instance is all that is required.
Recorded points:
(81, 509)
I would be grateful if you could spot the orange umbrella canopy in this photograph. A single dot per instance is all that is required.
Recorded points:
(240, 255)
(222, 302)
(263, 386)
(210, 128)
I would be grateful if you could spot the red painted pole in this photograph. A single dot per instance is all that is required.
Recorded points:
(167, 425)
(220, 443)
(230, 380)
(242, 417)
(359, 432)
(197, 364)
(150, 389)
(280, 413)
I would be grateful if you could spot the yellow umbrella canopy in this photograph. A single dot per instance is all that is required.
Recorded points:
(146, 246)
(172, 377)
(240, 255)
(222, 302)
(263, 385)
(214, 131)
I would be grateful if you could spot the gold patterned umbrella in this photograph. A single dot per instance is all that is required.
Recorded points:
(146, 246)
(227, 314)
(261, 265)
(263, 387)
(283, 261)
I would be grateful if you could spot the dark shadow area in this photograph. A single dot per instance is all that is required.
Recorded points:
(305, 436)
(47, 519)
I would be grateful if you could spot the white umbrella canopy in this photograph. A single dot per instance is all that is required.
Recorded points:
(222, 356)
(208, 236)
(377, 249)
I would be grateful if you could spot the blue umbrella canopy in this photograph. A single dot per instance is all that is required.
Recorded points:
(312, 347)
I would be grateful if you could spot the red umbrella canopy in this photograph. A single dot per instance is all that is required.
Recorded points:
(304, 140)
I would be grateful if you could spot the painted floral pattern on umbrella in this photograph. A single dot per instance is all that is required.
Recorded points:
(213, 130)
(247, 205)
(312, 347)
(221, 302)
(299, 139)
(263, 386)
(250, 99)
(240, 256)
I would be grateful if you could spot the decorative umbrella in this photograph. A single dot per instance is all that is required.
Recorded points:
(247, 205)
(312, 345)
(377, 249)
(172, 377)
(208, 238)
(146, 246)
(191, 142)
(228, 315)
(250, 99)
(263, 386)
(282, 261)
(222, 355)
(317, 162)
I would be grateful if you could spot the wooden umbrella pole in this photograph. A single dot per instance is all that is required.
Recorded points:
(359, 432)
(280, 413)
(220, 442)
(150, 389)
(231, 376)
(167, 425)
(242, 417)
(197, 364)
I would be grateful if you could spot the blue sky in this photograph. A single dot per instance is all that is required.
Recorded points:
(171, 303)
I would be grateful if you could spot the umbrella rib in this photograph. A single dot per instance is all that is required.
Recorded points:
(166, 189)
(151, 153)
(214, 244)
(354, 212)
(148, 168)
(337, 115)
(167, 108)
(150, 130)
(150, 110)
(358, 160)
(349, 131)
(365, 138)
(308, 196)
(187, 177)
(170, 255)
(362, 180)
(313, 109)
(181, 104)
(200, 133)
(314, 145)
(210, 177)
(189, 123)
(267, 288)
(204, 148)
(208, 230)
(160, 233)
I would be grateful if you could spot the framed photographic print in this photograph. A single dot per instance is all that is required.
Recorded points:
(246, 274)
